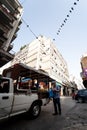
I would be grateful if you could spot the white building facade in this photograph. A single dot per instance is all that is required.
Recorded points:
(43, 54)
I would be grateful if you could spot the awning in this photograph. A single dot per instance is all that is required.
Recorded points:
(21, 69)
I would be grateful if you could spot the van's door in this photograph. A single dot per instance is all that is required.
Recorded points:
(5, 97)
(23, 101)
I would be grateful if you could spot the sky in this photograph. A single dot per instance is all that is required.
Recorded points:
(45, 17)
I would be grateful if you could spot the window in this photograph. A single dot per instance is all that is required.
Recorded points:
(52, 68)
(40, 59)
(4, 85)
(85, 92)
(40, 66)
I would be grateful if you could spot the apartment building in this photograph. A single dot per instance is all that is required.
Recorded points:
(43, 54)
(10, 20)
(83, 74)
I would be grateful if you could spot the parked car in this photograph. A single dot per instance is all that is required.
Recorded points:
(81, 95)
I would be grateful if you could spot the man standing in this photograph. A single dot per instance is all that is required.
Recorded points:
(56, 99)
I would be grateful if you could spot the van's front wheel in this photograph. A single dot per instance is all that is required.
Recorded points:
(35, 110)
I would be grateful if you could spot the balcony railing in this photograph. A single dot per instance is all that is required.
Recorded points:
(6, 13)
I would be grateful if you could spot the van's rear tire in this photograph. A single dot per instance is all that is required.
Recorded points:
(35, 110)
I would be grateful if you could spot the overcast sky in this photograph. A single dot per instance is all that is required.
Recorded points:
(45, 17)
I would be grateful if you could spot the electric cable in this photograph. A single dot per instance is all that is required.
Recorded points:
(67, 17)
(61, 26)
(27, 25)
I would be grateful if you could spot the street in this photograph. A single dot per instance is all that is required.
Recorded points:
(74, 117)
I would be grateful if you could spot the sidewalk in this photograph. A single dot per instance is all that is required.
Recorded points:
(65, 97)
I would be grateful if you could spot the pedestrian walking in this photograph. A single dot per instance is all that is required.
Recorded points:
(56, 99)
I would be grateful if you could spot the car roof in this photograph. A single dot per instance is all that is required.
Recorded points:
(82, 90)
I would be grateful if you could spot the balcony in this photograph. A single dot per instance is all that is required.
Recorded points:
(2, 39)
(10, 47)
(13, 38)
(5, 15)
(9, 12)
(1, 43)
(15, 4)
(5, 57)
(8, 5)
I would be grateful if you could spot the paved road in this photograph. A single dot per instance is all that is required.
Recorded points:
(72, 115)
(77, 118)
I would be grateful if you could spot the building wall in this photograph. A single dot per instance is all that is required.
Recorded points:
(10, 15)
(43, 54)
(21, 56)
(84, 69)
(84, 62)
